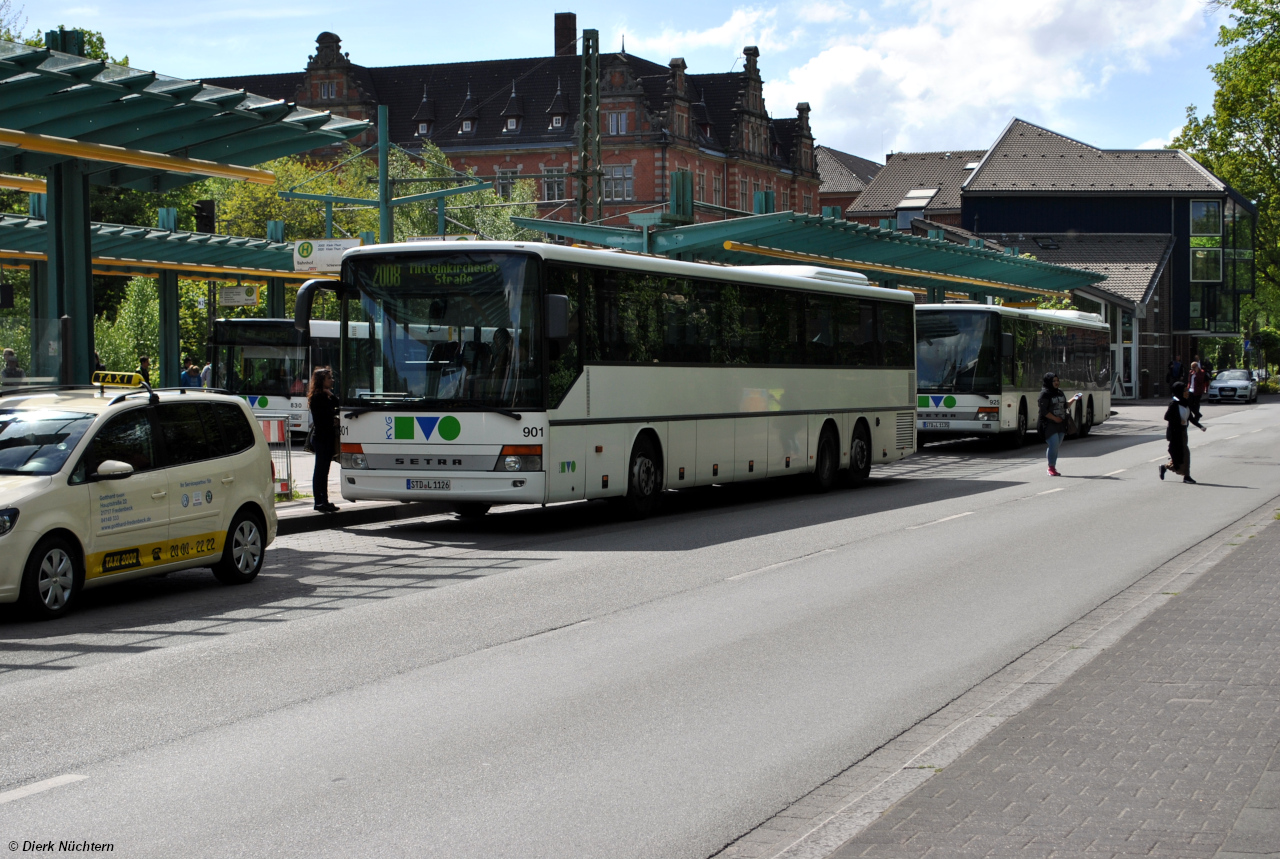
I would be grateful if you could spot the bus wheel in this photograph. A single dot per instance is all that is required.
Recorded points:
(827, 463)
(1018, 437)
(52, 579)
(643, 481)
(859, 454)
(471, 510)
(1087, 423)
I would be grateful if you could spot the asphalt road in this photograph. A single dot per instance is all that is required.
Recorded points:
(555, 683)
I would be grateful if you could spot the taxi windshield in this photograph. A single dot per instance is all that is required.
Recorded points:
(39, 442)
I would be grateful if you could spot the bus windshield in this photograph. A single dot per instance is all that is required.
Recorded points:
(956, 352)
(449, 328)
(259, 357)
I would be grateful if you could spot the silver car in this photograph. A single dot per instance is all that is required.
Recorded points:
(1233, 386)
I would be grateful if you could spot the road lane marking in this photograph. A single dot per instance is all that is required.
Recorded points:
(1117, 471)
(936, 521)
(1237, 435)
(39, 787)
(1050, 491)
(775, 566)
(1159, 459)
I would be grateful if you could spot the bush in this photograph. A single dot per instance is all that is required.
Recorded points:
(135, 330)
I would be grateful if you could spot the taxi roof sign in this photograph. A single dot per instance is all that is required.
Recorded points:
(118, 380)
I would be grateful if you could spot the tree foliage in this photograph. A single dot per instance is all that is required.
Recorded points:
(1239, 139)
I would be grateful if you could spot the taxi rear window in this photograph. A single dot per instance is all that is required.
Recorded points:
(39, 442)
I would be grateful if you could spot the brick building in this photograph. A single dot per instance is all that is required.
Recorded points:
(517, 118)
(1174, 240)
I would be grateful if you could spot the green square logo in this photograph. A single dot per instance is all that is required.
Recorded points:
(404, 428)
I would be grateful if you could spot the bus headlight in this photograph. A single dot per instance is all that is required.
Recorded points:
(511, 463)
(520, 457)
(354, 460)
(8, 518)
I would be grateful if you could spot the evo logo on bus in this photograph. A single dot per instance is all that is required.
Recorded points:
(924, 402)
(405, 428)
(257, 402)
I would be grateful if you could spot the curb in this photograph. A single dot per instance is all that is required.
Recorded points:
(362, 514)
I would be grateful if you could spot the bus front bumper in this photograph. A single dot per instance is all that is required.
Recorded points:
(492, 487)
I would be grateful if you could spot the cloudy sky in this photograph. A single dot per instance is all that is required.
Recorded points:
(881, 75)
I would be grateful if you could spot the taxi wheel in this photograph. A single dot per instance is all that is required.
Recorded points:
(52, 579)
(243, 552)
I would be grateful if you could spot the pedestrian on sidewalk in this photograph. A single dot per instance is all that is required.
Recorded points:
(1175, 371)
(323, 403)
(1053, 418)
(1197, 386)
(1177, 416)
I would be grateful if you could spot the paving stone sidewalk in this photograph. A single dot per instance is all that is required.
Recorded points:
(1167, 744)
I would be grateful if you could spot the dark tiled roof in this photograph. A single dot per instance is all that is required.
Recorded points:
(1131, 261)
(720, 94)
(282, 86)
(907, 171)
(921, 227)
(843, 173)
(1031, 159)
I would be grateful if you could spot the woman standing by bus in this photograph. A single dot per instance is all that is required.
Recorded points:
(1053, 418)
(323, 404)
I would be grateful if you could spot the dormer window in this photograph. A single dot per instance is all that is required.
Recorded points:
(329, 90)
(617, 122)
(513, 124)
(424, 129)
(467, 127)
(557, 121)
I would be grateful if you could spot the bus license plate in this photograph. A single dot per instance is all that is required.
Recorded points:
(937, 424)
(427, 484)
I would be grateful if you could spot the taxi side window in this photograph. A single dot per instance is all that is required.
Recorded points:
(126, 438)
(237, 433)
(184, 434)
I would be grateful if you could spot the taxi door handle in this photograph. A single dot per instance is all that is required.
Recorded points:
(228, 480)
(159, 494)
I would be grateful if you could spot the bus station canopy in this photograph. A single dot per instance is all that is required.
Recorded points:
(55, 106)
(121, 250)
(887, 256)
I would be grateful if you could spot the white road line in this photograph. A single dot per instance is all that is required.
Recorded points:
(936, 521)
(1117, 471)
(775, 566)
(1251, 432)
(39, 787)
(1159, 459)
(1237, 435)
(1050, 491)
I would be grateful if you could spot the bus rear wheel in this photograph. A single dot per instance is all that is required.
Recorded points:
(826, 462)
(859, 454)
(644, 479)
(1087, 423)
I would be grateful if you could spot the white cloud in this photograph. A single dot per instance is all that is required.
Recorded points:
(954, 75)
(1161, 142)
(749, 26)
(820, 12)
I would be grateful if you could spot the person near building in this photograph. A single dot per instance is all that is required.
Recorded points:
(190, 377)
(1175, 371)
(1053, 418)
(1197, 387)
(98, 366)
(323, 403)
(144, 368)
(11, 374)
(1177, 416)
(206, 375)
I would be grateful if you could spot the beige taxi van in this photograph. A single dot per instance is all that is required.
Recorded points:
(116, 481)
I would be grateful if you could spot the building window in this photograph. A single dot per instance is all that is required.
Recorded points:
(553, 184)
(329, 90)
(617, 122)
(467, 127)
(700, 188)
(557, 121)
(504, 181)
(1206, 264)
(619, 183)
(1206, 218)
(512, 125)
(808, 203)
(744, 192)
(784, 199)
(424, 128)
(717, 191)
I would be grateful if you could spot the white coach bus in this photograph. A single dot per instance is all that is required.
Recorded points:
(980, 368)
(534, 373)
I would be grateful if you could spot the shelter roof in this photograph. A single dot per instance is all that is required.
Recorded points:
(933, 262)
(1028, 159)
(91, 101)
(905, 172)
(843, 173)
(1131, 262)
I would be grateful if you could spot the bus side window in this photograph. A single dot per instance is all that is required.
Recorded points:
(565, 358)
(894, 326)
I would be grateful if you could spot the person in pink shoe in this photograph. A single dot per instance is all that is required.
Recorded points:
(1053, 419)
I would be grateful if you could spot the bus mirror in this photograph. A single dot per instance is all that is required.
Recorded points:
(1006, 344)
(557, 313)
(306, 297)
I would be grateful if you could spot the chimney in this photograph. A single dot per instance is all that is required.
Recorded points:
(566, 34)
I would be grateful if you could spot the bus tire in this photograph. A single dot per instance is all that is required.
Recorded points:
(244, 550)
(826, 461)
(1087, 423)
(1078, 417)
(859, 454)
(644, 479)
(52, 578)
(472, 510)
(1018, 437)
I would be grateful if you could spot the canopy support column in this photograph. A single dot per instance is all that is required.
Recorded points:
(170, 336)
(275, 285)
(70, 275)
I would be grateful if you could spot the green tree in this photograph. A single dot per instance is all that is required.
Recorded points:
(1239, 139)
(135, 329)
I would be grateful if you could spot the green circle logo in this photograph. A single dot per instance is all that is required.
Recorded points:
(305, 249)
(449, 428)
(949, 402)
(248, 292)
(262, 402)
